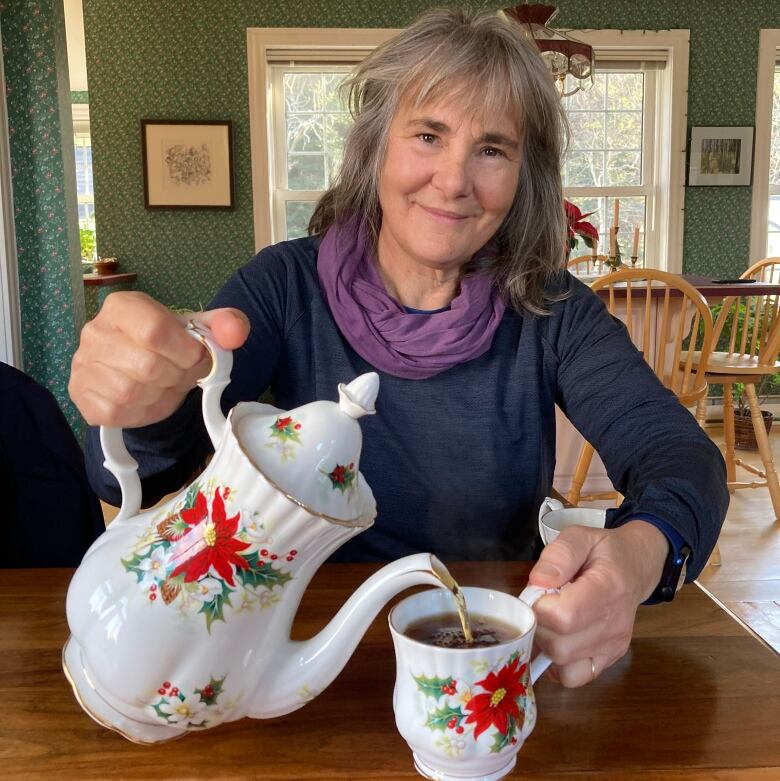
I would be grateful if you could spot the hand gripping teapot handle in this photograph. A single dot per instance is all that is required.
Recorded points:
(530, 595)
(125, 468)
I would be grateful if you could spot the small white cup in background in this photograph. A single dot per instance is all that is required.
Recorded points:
(554, 518)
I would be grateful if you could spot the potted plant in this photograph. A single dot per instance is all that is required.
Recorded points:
(744, 433)
(87, 242)
(579, 227)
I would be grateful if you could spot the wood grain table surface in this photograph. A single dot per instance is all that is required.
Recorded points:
(696, 698)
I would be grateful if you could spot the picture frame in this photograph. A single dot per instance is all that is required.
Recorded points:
(187, 163)
(720, 156)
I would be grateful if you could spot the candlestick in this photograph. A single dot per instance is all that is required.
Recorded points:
(635, 245)
(616, 212)
(595, 248)
(613, 241)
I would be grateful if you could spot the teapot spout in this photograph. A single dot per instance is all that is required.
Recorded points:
(306, 668)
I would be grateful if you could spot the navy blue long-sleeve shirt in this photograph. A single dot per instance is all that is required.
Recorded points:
(460, 462)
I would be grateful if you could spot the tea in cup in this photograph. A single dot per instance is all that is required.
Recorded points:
(554, 518)
(465, 709)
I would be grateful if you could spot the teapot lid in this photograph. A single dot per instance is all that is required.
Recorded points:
(312, 453)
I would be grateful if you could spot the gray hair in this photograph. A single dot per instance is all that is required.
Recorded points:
(487, 63)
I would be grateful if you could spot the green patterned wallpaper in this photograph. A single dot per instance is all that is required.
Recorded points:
(188, 60)
(44, 191)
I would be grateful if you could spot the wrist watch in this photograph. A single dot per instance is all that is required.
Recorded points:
(672, 575)
(676, 564)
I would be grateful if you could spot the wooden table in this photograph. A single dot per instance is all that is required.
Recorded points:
(697, 697)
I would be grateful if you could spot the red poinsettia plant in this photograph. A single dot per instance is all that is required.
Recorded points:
(579, 227)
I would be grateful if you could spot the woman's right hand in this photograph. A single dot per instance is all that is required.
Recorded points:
(135, 362)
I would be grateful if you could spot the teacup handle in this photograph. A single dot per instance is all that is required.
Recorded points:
(125, 468)
(530, 595)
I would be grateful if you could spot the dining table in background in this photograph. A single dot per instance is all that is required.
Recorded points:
(697, 698)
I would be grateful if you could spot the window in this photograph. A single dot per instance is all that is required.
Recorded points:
(310, 127)
(765, 211)
(773, 227)
(610, 155)
(622, 131)
(85, 192)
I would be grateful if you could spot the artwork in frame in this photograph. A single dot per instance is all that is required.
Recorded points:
(188, 164)
(721, 156)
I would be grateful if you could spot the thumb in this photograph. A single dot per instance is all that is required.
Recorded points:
(562, 559)
(229, 326)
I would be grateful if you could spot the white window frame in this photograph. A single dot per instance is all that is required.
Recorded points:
(296, 44)
(81, 127)
(665, 123)
(10, 309)
(768, 55)
(664, 222)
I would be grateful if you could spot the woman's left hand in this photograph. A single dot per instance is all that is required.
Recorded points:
(604, 575)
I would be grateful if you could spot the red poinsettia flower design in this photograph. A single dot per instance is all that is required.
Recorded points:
(578, 226)
(210, 542)
(500, 700)
(283, 423)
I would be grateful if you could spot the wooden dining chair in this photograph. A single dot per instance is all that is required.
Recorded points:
(585, 266)
(751, 326)
(664, 316)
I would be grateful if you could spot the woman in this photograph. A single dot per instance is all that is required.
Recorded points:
(437, 260)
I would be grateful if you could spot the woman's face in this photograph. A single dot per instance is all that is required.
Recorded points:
(448, 180)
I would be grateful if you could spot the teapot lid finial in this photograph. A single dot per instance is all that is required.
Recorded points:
(357, 398)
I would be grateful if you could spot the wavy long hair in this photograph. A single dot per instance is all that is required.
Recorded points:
(485, 63)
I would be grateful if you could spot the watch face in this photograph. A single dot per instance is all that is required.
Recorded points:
(683, 559)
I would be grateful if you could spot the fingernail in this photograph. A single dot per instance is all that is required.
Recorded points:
(547, 570)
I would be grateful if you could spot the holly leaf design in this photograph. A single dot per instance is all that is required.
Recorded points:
(500, 740)
(440, 718)
(211, 690)
(265, 576)
(189, 498)
(432, 687)
(214, 608)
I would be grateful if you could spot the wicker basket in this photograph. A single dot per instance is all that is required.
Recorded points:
(744, 435)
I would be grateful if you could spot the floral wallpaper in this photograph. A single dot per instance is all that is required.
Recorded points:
(44, 191)
(188, 60)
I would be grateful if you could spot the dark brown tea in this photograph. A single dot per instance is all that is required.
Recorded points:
(445, 631)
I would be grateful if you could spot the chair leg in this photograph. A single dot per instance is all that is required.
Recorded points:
(763, 447)
(728, 432)
(701, 411)
(714, 558)
(580, 473)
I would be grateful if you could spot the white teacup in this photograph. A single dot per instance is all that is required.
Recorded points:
(465, 712)
(554, 518)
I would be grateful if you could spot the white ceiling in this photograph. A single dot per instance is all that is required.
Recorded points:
(77, 57)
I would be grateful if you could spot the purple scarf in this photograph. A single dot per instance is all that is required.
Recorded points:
(413, 346)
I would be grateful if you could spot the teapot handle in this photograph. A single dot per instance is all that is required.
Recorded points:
(125, 468)
(530, 595)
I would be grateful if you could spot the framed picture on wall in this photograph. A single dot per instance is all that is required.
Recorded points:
(188, 164)
(721, 156)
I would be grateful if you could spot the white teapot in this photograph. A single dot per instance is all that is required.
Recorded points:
(180, 616)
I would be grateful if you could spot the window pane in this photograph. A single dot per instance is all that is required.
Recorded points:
(632, 213)
(304, 133)
(606, 121)
(773, 229)
(297, 215)
(623, 168)
(773, 245)
(584, 169)
(306, 172)
(315, 122)
(587, 130)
